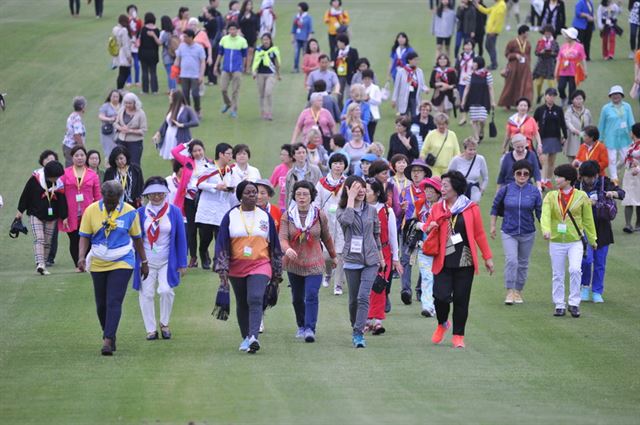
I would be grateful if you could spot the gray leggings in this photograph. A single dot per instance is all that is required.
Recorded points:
(517, 250)
(249, 292)
(360, 282)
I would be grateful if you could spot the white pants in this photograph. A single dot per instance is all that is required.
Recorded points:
(147, 294)
(559, 252)
(616, 157)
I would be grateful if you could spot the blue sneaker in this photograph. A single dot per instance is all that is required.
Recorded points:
(309, 336)
(225, 108)
(233, 114)
(244, 345)
(597, 298)
(585, 294)
(254, 345)
(359, 342)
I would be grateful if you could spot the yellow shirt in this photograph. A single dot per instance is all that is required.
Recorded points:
(450, 149)
(334, 22)
(496, 16)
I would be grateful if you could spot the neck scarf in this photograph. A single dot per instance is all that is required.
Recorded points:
(629, 159)
(153, 232)
(109, 221)
(332, 185)
(303, 231)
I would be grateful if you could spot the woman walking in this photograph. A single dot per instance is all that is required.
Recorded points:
(616, 118)
(177, 125)
(165, 247)
(303, 231)
(301, 33)
(131, 126)
(248, 256)
(124, 60)
(362, 252)
(519, 203)
(148, 53)
(399, 51)
(547, 51)
(129, 175)
(571, 57)
(607, 19)
(75, 132)
(553, 14)
(402, 141)
(266, 70)
(631, 182)
(523, 123)
(553, 133)
(518, 79)
(459, 225)
(474, 168)
(249, 23)
(167, 38)
(478, 98)
(408, 87)
(337, 21)
(443, 27)
(517, 153)
(577, 117)
(44, 201)
(81, 189)
(93, 162)
(109, 232)
(107, 115)
(440, 146)
(444, 81)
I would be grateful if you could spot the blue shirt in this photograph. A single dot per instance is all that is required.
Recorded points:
(190, 59)
(506, 163)
(518, 205)
(233, 51)
(582, 6)
(398, 60)
(302, 27)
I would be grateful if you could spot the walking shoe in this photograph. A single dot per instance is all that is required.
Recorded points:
(300, 333)
(597, 298)
(387, 305)
(261, 329)
(438, 334)
(368, 326)
(458, 341)
(359, 342)
(244, 345)
(165, 332)
(517, 297)
(254, 345)
(574, 310)
(508, 300)
(152, 336)
(337, 291)
(405, 296)
(233, 114)
(107, 348)
(193, 262)
(50, 263)
(309, 336)
(40, 268)
(426, 313)
(559, 312)
(585, 293)
(627, 229)
(225, 108)
(378, 329)
(325, 281)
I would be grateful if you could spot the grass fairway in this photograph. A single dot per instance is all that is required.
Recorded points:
(521, 364)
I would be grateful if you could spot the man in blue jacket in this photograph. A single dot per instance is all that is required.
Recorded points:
(232, 52)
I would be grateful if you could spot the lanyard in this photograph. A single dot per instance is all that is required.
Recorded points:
(400, 186)
(50, 195)
(564, 208)
(453, 220)
(591, 151)
(316, 117)
(253, 222)
(521, 46)
(79, 183)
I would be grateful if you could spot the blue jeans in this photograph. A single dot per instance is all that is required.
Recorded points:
(171, 83)
(249, 292)
(304, 294)
(593, 268)
(460, 38)
(136, 67)
(298, 50)
(109, 290)
(426, 283)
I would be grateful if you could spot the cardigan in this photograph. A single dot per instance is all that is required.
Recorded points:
(580, 208)
(90, 191)
(138, 122)
(35, 202)
(473, 226)
(187, 117)
(397, 147)
(136, 180)
(597, 153)
(401, 90)
(364, 224)
(177, 247)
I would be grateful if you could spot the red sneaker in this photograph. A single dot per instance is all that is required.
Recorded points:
(438, 334)
(458, 341)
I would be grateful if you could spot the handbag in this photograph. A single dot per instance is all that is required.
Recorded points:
(431, 245)
(583, 237)
(380, 284)
(106, 128)
(606, 208)
(470, 186)
(493, 130)
(430, 159)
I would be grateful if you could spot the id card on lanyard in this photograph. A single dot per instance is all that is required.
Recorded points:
(564, 209)
(79, 182)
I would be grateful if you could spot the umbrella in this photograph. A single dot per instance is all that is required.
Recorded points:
(223, 302)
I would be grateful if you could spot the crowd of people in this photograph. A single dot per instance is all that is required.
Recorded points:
(346, 212)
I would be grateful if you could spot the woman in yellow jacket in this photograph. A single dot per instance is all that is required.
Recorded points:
(440, 146)
(337, 21)
(567, 218)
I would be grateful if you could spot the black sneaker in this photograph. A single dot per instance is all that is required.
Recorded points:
(574, 310)
(405, 296)
(560, 312)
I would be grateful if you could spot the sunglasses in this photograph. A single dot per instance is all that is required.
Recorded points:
(522, 173)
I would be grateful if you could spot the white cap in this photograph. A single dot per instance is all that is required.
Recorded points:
(570, 32)
(616, 89)
(193, 21)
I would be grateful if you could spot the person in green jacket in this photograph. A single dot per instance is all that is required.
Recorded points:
(567, 218)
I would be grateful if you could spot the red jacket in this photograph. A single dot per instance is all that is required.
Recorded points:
(473, 226)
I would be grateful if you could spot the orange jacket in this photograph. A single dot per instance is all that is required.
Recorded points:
(598, 153)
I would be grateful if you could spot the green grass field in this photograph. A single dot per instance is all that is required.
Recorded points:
(521, 364)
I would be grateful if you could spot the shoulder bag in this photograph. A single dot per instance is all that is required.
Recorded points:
(430, 159)
(583, 237)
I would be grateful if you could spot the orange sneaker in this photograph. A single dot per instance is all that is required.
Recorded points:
(438, 334)
(458, 341)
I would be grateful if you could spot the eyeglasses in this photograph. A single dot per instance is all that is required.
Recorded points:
(522, 173)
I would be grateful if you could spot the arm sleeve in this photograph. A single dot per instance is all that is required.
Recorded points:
(498, 200)
(545, 221)
(480, 235)
(283, 233)
(484, 172)
(393, 236)
(587, 222)
(345, 216)
(414, 146)
(23, 203)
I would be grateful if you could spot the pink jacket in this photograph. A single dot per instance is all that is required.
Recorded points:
(90, 191)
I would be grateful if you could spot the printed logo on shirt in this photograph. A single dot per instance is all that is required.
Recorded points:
(264, 225)
(120, 223)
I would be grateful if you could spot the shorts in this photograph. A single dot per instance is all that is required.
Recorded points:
(443, 40)
(551, 145)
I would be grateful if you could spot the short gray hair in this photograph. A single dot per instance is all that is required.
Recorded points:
(518, 137)
(441, 118)
(131, 97)
(79, 103)
(111, 189)
(315, 96)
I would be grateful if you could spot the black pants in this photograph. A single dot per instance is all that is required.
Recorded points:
(74, 245)
(562, 86)
(54, 247)
(191, 227)
(478, 39)
(585, 38)
(190, 87)
(74, 7)
(99, 4)
(123, 74)
(135, 149)
(149, 72)
(453, 285)
(333, 46)
(207, 233)
(109, 290)
(371, 129)
(634, 37)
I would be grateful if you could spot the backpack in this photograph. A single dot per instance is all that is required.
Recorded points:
(112, 46)
(172, 45)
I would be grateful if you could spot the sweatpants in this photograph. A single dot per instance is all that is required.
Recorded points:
(249, 292)
(304, 296)
(426, 282)
(191, 226)
(109, 290)
(42, 235)
(453, 285)
(517, 250)
(593, 268)
(207, 233)
(559, 253)
(191, 88)
(360, 282)
(233, 78)
(146, 297)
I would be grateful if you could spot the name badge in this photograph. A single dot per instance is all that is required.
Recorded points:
(356, 245)
(456, 238)
(623, 125)
(79, 197)
(562, 228)
(337, 25)
(49, 211)
(522, 59)
(333, 209)
(247, 251)
(411, 88)
(298, 30)
(566, 64)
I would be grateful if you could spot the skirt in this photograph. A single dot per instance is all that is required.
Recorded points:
(631, 186)
(478, 113)
(551, 145)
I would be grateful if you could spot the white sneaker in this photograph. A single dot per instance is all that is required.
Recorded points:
(254, 345)
(300, 333)
(325, 281)
(261, 330)
(41, 269)
(244, 345)
(337, 291)
(631, 55)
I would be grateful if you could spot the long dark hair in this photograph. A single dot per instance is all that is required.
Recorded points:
(108, 99)
(378, 189)
(347, 185)
(243, 8)
(308, 49)
(166, 24)
(177, 100)
(396, 44)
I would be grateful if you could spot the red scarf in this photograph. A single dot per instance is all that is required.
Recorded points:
(223, 172)
(411, 76)
(442, 75)
(153, 232)
(334, 189)
(633, 148)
